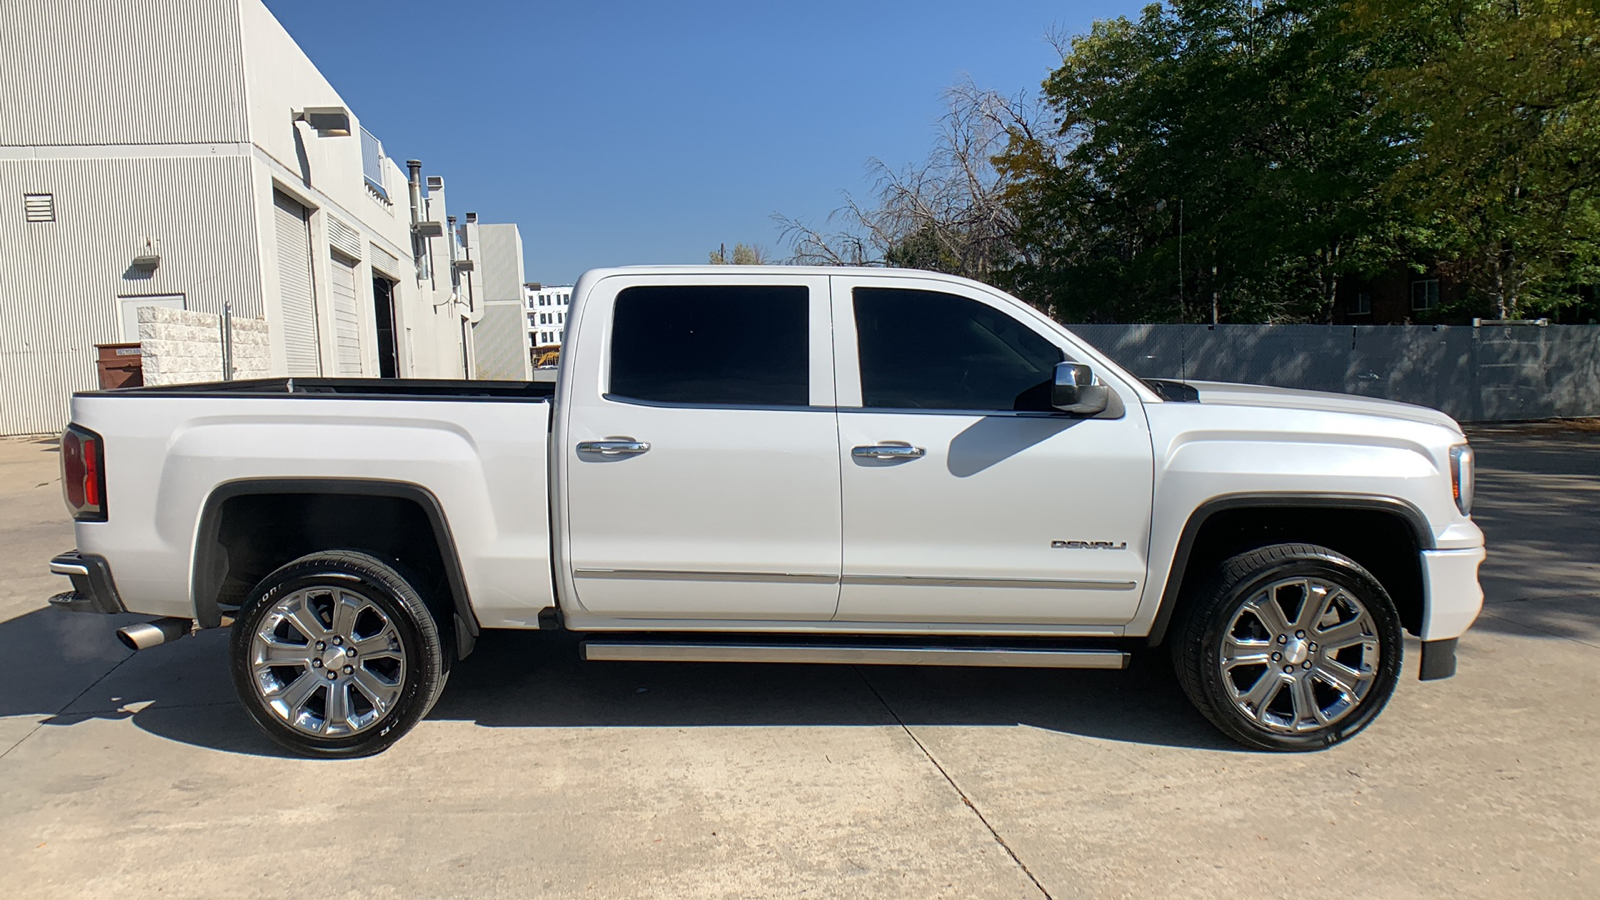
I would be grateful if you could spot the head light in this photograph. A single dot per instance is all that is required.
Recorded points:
(1462, 480)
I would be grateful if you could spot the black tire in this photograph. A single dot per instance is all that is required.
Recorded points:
(408, 670)
(1220, 631)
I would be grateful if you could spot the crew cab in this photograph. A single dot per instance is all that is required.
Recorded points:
(806, 465)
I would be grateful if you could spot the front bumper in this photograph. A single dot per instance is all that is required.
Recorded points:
(93, 591)
(1452, 599)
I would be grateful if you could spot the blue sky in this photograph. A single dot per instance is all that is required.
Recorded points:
(631, 132)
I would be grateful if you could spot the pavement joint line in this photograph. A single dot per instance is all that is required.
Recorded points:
(1564, 637)
(40, 724)
(152, 705)
(956, 787)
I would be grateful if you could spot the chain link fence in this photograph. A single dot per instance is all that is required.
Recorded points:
(1475, 374)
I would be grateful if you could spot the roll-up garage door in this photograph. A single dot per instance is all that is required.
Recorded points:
(346, 317)
(295, 286)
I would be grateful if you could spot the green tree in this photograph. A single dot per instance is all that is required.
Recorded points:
(1216, 160)
(1501, 100)
(742, 255)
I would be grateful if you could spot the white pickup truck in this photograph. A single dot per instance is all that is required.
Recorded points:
(782, 464)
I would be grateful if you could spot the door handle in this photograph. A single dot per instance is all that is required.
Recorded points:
(624, 447)
(888, 450)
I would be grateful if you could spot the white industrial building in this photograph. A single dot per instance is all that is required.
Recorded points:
(547, 313)
(189, 155)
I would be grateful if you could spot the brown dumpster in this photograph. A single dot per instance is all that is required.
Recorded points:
(121, 366)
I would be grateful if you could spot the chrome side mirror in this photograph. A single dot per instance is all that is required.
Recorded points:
(1075, 392)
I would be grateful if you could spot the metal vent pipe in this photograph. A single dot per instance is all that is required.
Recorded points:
(414, 188)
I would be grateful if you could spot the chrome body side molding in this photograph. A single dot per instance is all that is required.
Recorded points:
(650, 651)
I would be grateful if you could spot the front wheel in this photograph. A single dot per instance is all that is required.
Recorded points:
(1289, 647)
(336, 655)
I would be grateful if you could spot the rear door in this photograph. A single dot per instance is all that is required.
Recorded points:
(700, 469)
(966, 497)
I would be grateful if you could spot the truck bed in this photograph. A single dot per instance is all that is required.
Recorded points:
(475, 450)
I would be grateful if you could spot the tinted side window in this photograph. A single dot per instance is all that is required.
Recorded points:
(929, 350)
(745, 346)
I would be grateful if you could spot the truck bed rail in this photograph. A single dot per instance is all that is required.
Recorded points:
(365, 388)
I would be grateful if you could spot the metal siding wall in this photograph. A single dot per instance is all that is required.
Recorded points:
(59, 281)
(121, 72)
(499, 255)
(298, 297)
(498, 345)
(499, 339)
(346, 316)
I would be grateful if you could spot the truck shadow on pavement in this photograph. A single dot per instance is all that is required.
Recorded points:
(68, 669)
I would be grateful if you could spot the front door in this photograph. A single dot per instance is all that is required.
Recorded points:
(966, 498)
(701, 462)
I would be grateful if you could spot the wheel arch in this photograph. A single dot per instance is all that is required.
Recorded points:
(1389, 545)
(239, 509)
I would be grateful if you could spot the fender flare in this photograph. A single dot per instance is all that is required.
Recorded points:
(1420, 531)
(205, 580)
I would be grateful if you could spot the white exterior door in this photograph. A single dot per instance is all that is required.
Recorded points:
(295, 291)
(128, 308)
(997, 509)
(346, 316)
(700, 473)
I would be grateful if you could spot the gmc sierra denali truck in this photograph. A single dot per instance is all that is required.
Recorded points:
(799, 465)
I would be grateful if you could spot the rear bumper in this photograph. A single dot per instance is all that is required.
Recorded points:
(92, 591)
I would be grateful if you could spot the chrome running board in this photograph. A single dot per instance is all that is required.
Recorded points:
(651, 651)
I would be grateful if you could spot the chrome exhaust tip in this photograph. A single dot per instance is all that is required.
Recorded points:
(151, 634)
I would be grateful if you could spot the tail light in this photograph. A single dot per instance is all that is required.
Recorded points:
(83, 473)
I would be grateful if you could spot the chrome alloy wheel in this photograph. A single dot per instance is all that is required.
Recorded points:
(1299, 655)
(328, 661)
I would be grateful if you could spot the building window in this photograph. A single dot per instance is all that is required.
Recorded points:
(372, 164)
(39, 207)
(1425, 293)
(1361, 304)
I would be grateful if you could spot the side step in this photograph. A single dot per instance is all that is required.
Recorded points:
(652, 651)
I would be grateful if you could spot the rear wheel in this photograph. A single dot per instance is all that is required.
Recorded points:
(336, 655)
(1289, 647)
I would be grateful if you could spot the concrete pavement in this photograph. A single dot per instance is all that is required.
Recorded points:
(537, 775)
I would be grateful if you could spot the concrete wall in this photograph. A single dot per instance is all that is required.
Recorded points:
(1474, 374)
(325, 175)
(184, 347)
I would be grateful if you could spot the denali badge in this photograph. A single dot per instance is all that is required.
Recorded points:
(1088, 545)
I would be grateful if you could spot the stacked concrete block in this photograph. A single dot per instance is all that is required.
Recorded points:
(181, 346)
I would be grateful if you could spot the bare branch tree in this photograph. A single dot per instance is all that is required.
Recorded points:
(946, 213)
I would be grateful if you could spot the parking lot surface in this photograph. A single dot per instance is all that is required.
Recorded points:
(135, 775)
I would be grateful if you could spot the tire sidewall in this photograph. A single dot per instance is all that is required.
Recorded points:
(423, 658)
(1326, 566)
